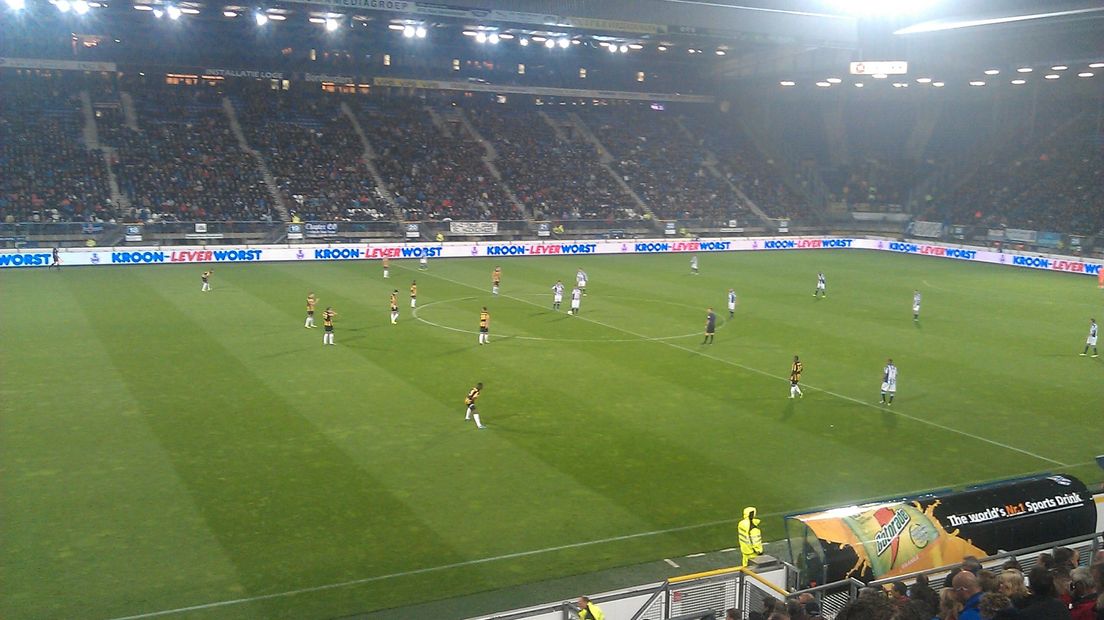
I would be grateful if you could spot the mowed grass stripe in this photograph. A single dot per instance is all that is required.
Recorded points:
(284, 501)
(69, 433)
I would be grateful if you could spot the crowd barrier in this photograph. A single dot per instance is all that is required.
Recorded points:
(504, 249)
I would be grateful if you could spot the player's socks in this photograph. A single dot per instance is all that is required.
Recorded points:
(478, 424)
(467, 414)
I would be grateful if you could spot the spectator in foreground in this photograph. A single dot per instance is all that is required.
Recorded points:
(1084, 592)
(996, 606)
(1011, 584)
(949, 607)
(1044, 603)
(968, 592)
(872, 607)
(923, 593)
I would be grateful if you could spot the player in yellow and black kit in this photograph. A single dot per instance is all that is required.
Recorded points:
(496, 279)
(414, 294)
(484, 326)
(311, 301)
(394, 306)
(206, 277)
(327, 324)
(795, 377)
(469, 400)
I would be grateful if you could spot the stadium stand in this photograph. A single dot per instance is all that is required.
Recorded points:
(312, 151)
(433, 175)
(555, 178)
(47, 173)
(182, 163)
(663, 163)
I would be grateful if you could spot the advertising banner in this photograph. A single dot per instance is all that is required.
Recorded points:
(316, 230)
(887, 539)
(1021, 235)
(132, 233)
(473, 228)
(920, 228)
(670, 228)
(295, 232)
(1049, 239)
(544, 229)
(412, 230)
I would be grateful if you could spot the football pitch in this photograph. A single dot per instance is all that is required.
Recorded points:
(166, 449)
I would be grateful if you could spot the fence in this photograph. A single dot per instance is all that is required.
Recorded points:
(696, 596)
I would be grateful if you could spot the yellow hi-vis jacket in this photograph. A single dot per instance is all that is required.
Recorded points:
(751, 537)
(591, 612)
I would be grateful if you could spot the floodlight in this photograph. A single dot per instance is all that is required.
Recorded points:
(523, 42)
(977, 83)
(229, 14)
(16, 5)
(858, 84)
(786, 83)
(277, 17)
(635, 46)
(1097, 65)
(143, 7)
(1085, 74)
(833, 80)
(1024, 70)
(158, 13)
(408, 31)
(63, 6)
(549, 43)
(420, 32)
(1019, 82)
(261, 18)
(721, 52)
(611, 47)
(823, 84)
(172, 11)
(331, 25)
(662, 48)
(564, 43)
(879, 76)
(493, 38)
(923, 80)
(623, 49)
(1059, 68)
(1051, 76)
(992, 72)
(867, 8)
(937, 84)
(505, 35)
(480, 37)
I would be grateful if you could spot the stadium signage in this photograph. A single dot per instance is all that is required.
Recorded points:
(59, 65)
(324, 77)
(320, 229)
(337, 253)
(246, 73)
(562, 248)
(25, 260)
(419, 251)
(473, 228)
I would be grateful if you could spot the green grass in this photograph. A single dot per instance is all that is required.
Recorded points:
(162, 448)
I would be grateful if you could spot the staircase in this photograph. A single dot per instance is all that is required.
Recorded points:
(439, 122)
(710, 164)
(130, 117)
(490, 154)
(91, 136)
(369, 158)
(606, 158)
(270, 181)
(556, 127)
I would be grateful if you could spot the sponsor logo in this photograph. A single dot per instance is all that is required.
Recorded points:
(382, 252)
(214, 256)
(506, 250)
(644, 248)
(137, 258)
(337, 253)
(419, 252)
(562, 248)
(24, 260)
(95, 258)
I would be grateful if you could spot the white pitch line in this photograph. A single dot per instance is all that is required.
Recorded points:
(811, 387)
(671, 562)
(488, 560)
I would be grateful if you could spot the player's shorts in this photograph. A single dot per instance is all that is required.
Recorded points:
(709, 331)
(820, 287)
(557, 299)
(581, 283)
(916, 309)
(483, 330)
(1091, 341)
(574, 304)
(889, 386)
(310, 312)
(329, 328)
(793, 382)
(731, 307)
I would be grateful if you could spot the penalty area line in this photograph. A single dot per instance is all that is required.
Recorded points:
(764, 373)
